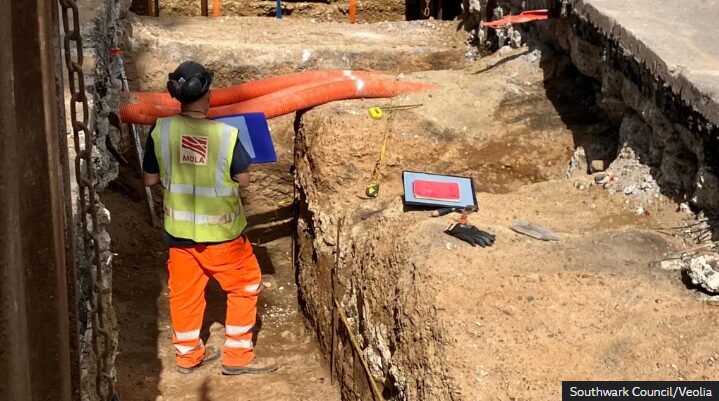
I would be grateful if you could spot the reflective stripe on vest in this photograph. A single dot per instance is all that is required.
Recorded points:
(181, 215)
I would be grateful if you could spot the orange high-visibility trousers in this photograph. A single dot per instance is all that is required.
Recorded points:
(235, 267)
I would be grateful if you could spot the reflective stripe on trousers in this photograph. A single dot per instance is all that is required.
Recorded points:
(238, 343)
(187, 341)
(237, 330)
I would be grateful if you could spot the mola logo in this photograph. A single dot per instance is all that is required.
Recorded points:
(193, 150)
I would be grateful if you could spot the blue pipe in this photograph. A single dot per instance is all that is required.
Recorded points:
(279, 9)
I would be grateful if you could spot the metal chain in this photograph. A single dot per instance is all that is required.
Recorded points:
(84, 175)
(426, 12)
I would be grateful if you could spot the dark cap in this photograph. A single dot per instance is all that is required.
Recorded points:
(189, 82)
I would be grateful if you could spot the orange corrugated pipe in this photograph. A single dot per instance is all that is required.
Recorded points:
(293, 99)
(130, 109)
(248, 90)
(145, 113)
(285, 101)
(353, 11)
(215, 8)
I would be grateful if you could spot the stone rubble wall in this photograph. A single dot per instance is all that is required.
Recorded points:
(102, 30)
(660, 133)
(652, 120)
(667, 140)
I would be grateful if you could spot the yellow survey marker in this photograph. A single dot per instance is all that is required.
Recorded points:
(376, 112)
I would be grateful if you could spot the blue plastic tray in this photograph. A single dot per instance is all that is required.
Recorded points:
(254, 135)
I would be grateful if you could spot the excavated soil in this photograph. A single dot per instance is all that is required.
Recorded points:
(440, 320)
(436, 319)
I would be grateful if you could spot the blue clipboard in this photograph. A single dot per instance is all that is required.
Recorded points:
(254, 135)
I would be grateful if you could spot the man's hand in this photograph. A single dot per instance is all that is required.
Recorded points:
(243, 179)
(150, 179)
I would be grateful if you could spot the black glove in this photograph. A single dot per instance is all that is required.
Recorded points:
(471, 235)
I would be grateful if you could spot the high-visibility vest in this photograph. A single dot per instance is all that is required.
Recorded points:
(201, 201)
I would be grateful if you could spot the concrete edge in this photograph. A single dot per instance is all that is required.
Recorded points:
(680, 83)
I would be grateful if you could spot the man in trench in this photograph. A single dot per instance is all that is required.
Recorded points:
(201, 165)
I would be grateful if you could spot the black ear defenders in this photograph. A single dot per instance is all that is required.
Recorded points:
(189, 90)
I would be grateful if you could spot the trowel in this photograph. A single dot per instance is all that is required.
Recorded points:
(533, 230)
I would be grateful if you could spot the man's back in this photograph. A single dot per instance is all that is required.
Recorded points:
(201, 201)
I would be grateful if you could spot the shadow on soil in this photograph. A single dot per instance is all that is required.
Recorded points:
(574, 98)
(204, 393)
(138, 271)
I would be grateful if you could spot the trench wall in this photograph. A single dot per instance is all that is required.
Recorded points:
(102, 30)
(380, 288)
(664, 130)
(667, 122)
(662, 118)
(386, 295)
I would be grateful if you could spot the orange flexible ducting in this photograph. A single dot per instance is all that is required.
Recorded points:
(138, 113)
(249, 90)
(161, 110)
(285, 101)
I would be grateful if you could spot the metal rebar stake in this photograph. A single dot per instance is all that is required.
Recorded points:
(138, 149)
(334, 308)
(148, 191)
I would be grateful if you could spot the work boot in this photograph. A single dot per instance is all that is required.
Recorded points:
(257, 366)
(211, 355)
